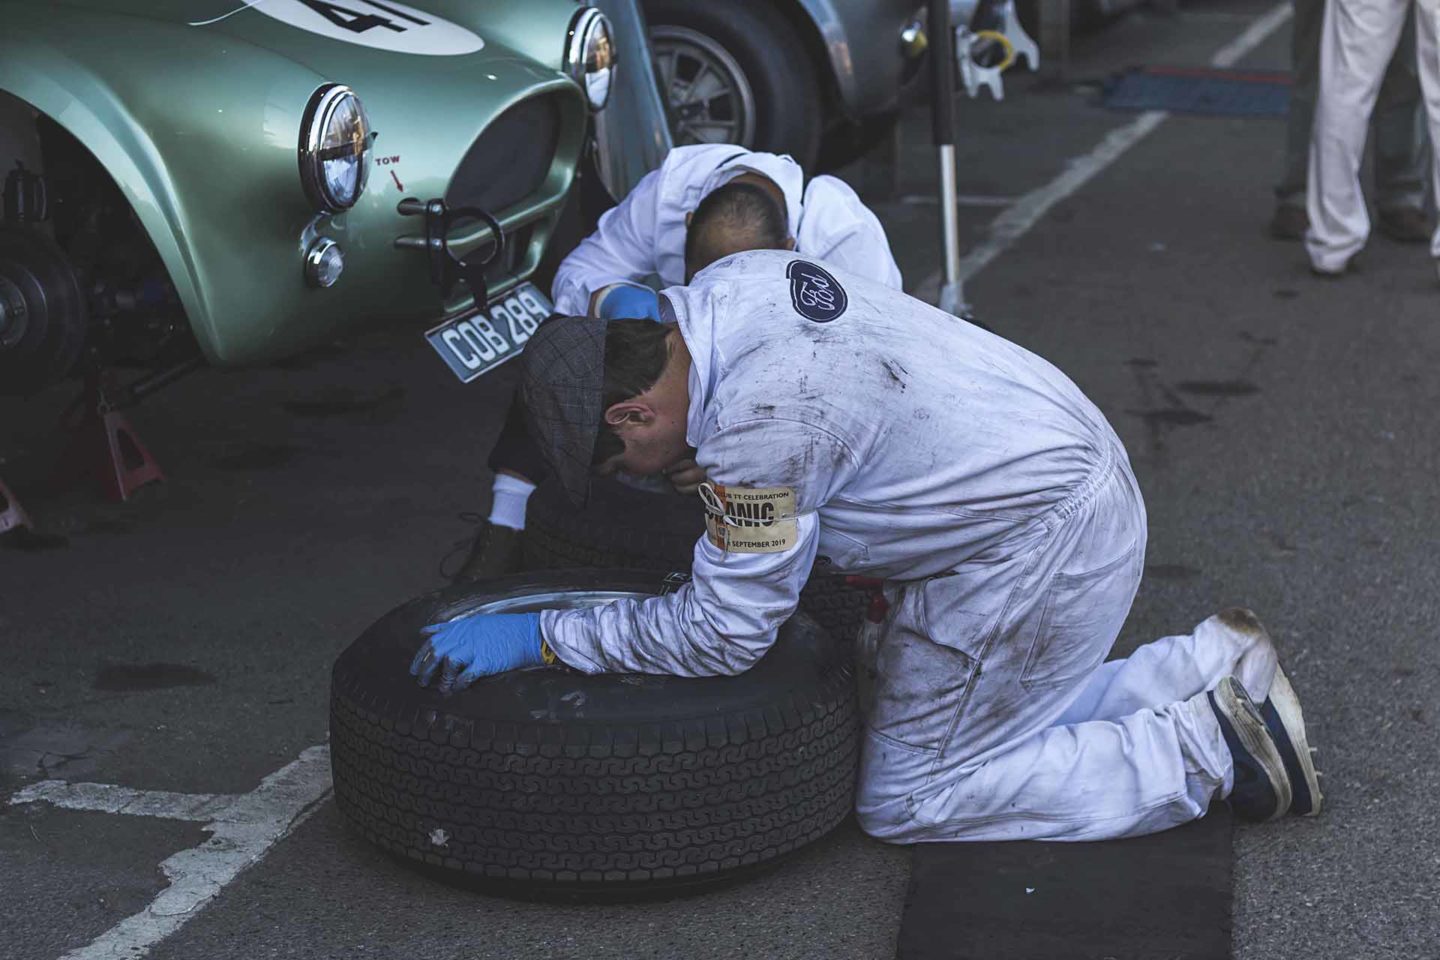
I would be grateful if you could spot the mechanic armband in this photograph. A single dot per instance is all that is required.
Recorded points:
(750, 519)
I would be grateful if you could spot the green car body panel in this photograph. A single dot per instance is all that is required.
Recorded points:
(199, 123)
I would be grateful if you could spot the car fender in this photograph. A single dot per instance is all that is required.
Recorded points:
(86, 106)
(835, 39)
(861, 32)
(234, 245)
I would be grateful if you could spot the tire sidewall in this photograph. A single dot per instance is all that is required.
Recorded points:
(550, 783)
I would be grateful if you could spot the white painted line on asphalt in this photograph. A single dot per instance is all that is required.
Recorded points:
(245, 829)
(1018, 220)
(963, 200)
(108, 798)
(1254, 35)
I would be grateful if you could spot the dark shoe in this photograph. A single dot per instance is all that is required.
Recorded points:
(1289, 223)
(495, 552)
(1286, 724)
(1405, 225)
(1262, 788)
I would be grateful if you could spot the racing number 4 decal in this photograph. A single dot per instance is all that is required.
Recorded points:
(358, 22)
(381, 24)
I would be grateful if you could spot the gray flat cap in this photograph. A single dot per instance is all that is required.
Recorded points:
(562, 375)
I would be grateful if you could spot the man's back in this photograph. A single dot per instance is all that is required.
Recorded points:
(963, 439)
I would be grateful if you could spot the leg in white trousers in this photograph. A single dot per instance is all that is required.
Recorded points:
(995, 719)
(1176, 668)
(1427, 40)
(1358, 39)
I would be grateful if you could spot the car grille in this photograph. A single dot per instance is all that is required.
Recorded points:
(510, 159)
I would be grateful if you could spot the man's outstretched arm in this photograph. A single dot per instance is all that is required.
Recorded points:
(768, 479)
(621, 248)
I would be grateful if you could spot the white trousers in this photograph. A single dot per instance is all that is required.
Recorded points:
(1356, 43)
(993, 716)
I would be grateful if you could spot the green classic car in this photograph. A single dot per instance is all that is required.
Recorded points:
(258, 176)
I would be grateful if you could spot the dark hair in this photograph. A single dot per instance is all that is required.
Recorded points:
(636, 352)
(738, 216)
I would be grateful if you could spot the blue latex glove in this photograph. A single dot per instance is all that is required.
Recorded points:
(625, 301)
(479, 645)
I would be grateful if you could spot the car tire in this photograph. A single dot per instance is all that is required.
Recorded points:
(622, 526)
(770, 83)
(550, 783)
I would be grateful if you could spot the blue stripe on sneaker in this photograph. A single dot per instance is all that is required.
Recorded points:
(1251, 795)
(1301, 802)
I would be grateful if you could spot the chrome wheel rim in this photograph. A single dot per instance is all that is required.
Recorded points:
(547, 600)
(709, 96)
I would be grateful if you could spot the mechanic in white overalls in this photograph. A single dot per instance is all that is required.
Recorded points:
(703, 203)
(835, 416)
(1357, 42)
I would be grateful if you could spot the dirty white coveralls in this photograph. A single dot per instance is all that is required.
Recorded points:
(1357, 41)
(645, 233)
(999, 506)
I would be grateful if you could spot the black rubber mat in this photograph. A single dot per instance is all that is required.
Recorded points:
(1161, 897)
(1248, 93)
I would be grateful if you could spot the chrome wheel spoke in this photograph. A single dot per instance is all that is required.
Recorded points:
(709, 96)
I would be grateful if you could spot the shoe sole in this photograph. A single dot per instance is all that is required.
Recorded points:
(1287, 710)
(1254, 735)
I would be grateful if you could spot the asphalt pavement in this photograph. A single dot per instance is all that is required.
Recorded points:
(1282, 428)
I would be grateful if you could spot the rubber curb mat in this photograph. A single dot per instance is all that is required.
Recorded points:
(1165, 896)
(1242, 93)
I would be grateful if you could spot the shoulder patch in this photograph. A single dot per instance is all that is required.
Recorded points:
(750, 519)
(814, 293)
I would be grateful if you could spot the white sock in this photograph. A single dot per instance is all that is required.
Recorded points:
(507, 505)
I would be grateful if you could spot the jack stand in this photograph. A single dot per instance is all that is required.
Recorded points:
(104, 444)
(12, 515)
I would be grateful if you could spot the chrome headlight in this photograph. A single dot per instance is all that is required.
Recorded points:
(590, 55)
(334, 149)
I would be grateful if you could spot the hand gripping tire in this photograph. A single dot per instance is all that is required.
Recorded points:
(552, 783)
(625, 527)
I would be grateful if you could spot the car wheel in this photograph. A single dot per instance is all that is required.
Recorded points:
(735, 72)
(553, 783)
(42, 314)
(625, 527)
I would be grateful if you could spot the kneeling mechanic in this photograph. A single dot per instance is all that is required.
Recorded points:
(835, 416)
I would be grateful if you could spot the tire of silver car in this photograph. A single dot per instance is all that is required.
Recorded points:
(736, 72)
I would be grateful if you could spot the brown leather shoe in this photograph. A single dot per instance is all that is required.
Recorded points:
(1405, 225)
(1289, 223)
(495, 552)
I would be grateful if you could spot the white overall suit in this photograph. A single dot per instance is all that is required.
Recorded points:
(645, 233)
(1357, 41)
(1000, 508)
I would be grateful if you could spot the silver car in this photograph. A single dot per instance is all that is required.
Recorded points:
(783, 75)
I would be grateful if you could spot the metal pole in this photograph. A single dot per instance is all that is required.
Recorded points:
(942, 116)
(1055, 40)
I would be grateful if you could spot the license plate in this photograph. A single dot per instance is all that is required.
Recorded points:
(475, 343)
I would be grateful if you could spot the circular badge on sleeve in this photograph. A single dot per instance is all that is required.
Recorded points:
(814, 293)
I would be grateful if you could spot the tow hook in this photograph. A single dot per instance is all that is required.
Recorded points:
(446, 269)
